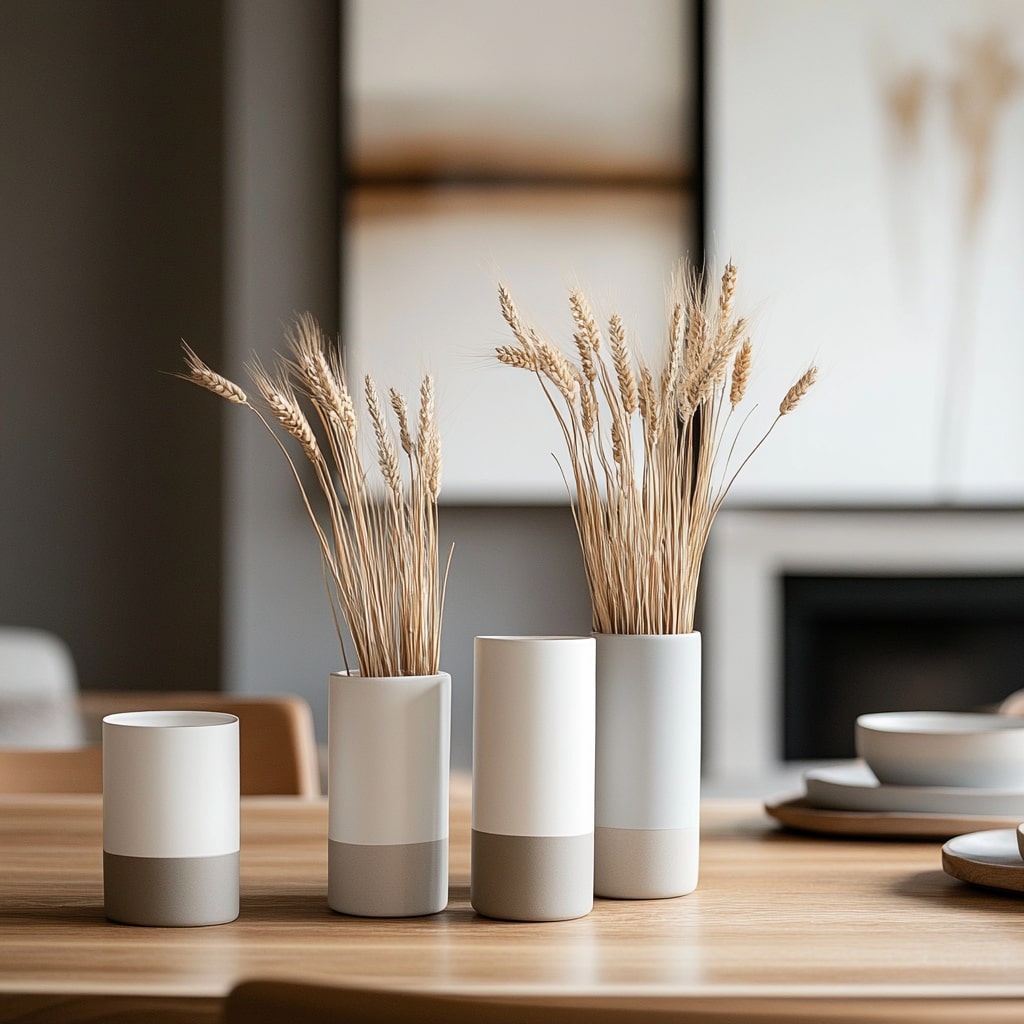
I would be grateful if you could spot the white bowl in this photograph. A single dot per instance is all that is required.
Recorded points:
(943, 748)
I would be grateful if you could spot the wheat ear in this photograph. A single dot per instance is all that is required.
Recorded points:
(798, 390)
(201, 374)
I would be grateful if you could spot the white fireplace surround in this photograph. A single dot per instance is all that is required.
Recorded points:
(749, 553)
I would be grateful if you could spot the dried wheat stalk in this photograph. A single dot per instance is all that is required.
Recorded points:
(645, 498)
(379, 546)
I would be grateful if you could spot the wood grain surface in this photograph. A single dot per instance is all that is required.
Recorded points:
(778, 920)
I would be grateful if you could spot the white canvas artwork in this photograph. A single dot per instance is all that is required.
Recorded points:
(865, 170)
(422, 297)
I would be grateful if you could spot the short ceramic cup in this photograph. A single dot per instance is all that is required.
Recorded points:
(943, 748)
(170, 818)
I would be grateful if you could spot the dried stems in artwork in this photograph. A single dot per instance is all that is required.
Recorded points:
(653, 451)
(378, 544)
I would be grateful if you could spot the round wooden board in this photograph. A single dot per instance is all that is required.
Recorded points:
(987, 858)
(798, 814)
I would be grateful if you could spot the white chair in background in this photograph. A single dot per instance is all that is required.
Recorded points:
(38, 690)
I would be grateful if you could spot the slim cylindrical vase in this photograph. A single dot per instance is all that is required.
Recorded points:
(170, 817)
(647, 812)
(388, 759)
(533, 778)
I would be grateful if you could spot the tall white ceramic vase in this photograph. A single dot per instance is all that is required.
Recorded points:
(533, 778)
(647, 810)
(388, 761)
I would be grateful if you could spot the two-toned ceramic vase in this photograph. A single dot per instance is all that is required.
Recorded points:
(389, 743)
(533, 777)
(647, 804)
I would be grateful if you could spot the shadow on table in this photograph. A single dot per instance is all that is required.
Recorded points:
(938, 887)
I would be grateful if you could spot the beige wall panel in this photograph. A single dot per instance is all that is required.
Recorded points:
(539, 86)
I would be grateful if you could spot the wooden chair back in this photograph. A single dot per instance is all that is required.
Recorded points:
(280, 1002)
(76, 770)
(276, 736)
(278, 752)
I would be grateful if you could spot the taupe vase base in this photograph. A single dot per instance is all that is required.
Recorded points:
(170, 892)
(400, 880)
(532, 878)
(645, 864)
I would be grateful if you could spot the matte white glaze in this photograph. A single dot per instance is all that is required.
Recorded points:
(533, 735)
(170, 784)
(388, 758)
(648, 731)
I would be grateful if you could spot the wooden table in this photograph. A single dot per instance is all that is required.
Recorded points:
(808, 928)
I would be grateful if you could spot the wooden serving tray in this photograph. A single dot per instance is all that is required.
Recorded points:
(798, 814)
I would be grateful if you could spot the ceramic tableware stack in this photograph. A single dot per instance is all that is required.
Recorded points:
(966, 761)
(918, 773)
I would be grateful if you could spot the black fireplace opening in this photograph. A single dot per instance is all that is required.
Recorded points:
(858, 644)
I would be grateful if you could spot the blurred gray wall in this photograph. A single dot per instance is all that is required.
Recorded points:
(111, 241)
(281, 231)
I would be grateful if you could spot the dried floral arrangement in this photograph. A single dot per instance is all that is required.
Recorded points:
(653, 451)
(378, 544)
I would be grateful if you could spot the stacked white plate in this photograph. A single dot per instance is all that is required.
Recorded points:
(854, 787)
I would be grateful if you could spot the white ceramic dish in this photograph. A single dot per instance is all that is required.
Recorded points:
(854, 787)
(962, 750)
(1020, 839)
(990, 858)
